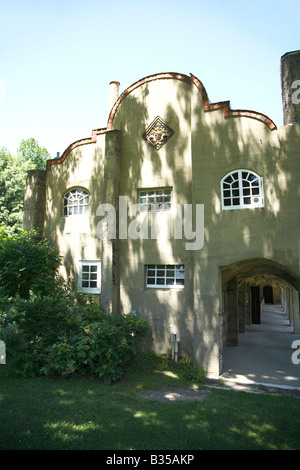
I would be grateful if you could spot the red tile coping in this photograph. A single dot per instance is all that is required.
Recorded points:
(225, 105)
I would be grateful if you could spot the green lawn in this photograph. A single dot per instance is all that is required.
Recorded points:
(82, 413)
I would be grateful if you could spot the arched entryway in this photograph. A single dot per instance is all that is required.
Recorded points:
(252, 290)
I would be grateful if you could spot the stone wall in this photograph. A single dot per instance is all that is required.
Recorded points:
(290, 84)
(34, 201)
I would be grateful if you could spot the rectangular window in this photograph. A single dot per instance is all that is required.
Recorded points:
(89, 277)
(165, 276)
(155, 199)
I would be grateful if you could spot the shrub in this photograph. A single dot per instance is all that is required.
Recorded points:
(28, 264)
(30, 326)
(190, 372)
(106, 346)
(46, 329)
(50, 336)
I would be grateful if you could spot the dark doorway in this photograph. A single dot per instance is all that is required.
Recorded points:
(255, 305)
(268, 294)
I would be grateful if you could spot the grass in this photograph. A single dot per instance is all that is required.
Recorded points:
(82, 413)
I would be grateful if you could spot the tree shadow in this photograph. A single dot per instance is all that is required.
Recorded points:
(209, 141)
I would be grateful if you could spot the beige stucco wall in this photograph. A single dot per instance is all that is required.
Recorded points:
(75, 236)
(220, 146)
(205, 146)
(168, 311)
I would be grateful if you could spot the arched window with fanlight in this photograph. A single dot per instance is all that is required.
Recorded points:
(76, 202)
(242, 189)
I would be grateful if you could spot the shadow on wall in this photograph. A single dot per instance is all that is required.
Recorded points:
(166, 310)
(193, 164)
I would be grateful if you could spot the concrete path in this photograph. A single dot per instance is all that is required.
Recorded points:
(264, 354)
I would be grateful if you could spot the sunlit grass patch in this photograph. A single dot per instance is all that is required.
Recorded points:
(168, 373)
(66, 431)
(83, 413)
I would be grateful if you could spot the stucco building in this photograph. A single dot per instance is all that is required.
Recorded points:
(181, 209)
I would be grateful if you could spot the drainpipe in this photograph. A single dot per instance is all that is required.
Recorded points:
(174, 344)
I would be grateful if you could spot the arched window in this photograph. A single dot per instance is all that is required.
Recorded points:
(242, 189)
(76, 201)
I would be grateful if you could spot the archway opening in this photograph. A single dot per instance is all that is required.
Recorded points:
(248, 285)
(260, 302)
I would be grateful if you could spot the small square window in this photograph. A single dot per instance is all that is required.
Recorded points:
(89, 277)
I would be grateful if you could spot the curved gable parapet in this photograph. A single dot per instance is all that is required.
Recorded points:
(77, 143)
(149, 78)
(190, 79)
(207, 106)
(228, 112)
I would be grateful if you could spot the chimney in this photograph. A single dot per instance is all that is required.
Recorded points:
(113, 93)
(290, 87)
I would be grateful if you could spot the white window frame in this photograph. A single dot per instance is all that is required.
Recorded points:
(155, 199)
(87, 276)
(165, 276)
(76, 201)
(243, 189)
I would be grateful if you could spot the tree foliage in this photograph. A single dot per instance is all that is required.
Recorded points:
(28, 265)
(48, 330)
(49, 336)
(32, 155)
(13, 172)
(12, 191)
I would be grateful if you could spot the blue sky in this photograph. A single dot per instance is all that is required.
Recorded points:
(57, 58)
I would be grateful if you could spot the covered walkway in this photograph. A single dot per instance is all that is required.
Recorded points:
(264, 353)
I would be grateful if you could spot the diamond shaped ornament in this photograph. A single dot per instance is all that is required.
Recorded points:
(157, 133)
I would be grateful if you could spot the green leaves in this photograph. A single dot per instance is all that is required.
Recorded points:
(12, 190)
(13, 172)
(109, 344)
(47, 330)
(32, 155)
(27, 265)
(46, 336)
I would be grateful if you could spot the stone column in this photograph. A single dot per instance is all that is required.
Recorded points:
(296, 311)
(248, 305)
(242, 309)
(34, 200)
(290, 87)
(110, 296)
(232, 313)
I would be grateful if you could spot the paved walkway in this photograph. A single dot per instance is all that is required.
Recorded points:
(264, 354)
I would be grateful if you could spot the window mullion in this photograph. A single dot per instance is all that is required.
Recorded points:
(240, 178)
(169, 274)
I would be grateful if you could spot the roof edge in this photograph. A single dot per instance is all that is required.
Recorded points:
(191, 79)
(142, 81)
(228, 112)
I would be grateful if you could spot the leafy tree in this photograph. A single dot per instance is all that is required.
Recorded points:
(12, 190)
(13, 172)
(28, 265)
(32, 155)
